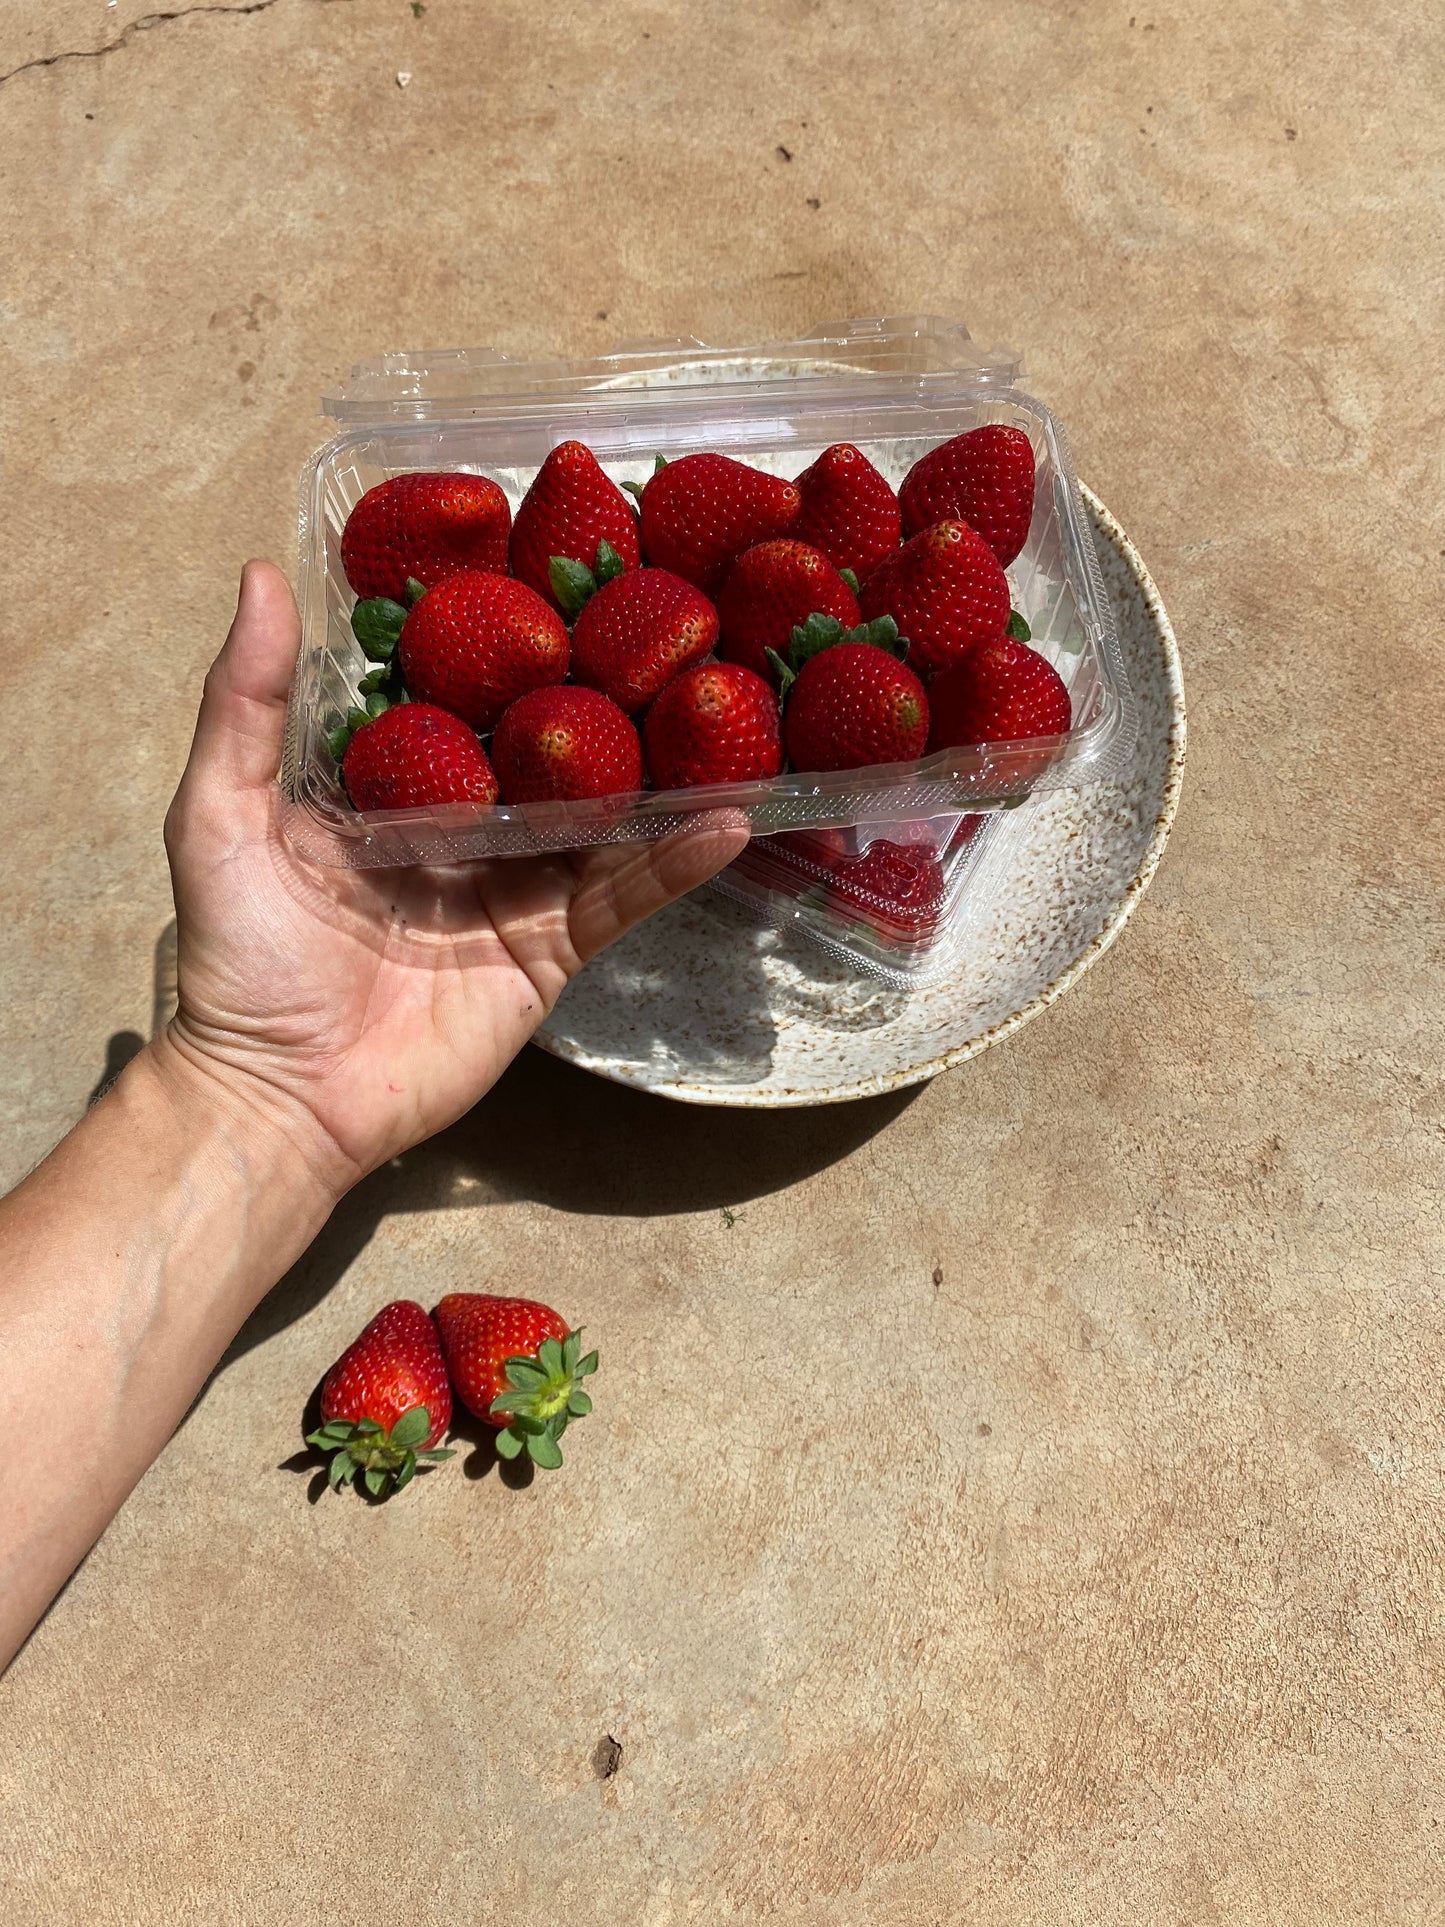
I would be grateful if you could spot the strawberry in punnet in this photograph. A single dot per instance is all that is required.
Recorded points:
(477, 642)
(638, 632)
(515, 1364)
(849, 698)
(570, 512)
(849, 511)
(1002, 692)
(771, 589)
(945, 590)
(424, 526)
(896, 887)
(717, 723)
(565, 743)
(984, 478)
(411, 756)
(699, 513)
(386, 1401)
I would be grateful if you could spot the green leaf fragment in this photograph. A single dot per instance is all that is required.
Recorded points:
(1018, 628)
(634, 488)
(525, 1373)
(376, 624)
(528, 1423)
(368, 1425)
(659, 463)
(882, 632)
(573, 583)
(511, 1401)
(356, 719)
(376, 1481)
(549, 1356)
(509, 1445)
(571, 1346)
(336, 743)
(335, 1431)
(850, 578)
(578, 1404)
(609, 563)
(412, 1427)
(408, 1468)
(414, 591)
(810, 638)
(438, 1453)
(545, 1452)
(377, 704)
(586, 1366)
(342, 1466)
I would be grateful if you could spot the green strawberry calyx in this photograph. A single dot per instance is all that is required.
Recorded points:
(386, 1460)
(1017, 627)
(381, 690)
(545, 1393)
(377, 621)
(822, 632)
(377, 625)
(574, 584)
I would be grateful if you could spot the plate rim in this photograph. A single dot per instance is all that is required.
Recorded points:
(731, 1098)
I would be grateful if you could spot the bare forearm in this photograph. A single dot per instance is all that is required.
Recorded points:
(128, 1260)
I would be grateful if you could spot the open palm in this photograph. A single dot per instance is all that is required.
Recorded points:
(381, 1003)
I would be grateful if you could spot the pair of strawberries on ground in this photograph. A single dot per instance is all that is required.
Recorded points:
(811, 593)
(387, 1401)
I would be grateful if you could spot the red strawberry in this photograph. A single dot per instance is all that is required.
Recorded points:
(984, 478)
(1002, 692)
(386, 1401)
(477, 642)
(410, 757)
(849, 511)
(565, 743)
(945, 590)
(853, 704)
(570, 509)
(771, 589)
(717, 723)
(638, 632)
(898, 888)
(700, 513)
(426, 527)
(516, 1365)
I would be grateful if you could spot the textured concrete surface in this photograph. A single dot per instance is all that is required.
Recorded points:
(1099, 1580)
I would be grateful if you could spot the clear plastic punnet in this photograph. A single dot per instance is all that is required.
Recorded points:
(895, 387)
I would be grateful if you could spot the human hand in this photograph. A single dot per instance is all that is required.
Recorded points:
(371, 1008)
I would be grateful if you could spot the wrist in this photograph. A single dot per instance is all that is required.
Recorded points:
(260, 1130)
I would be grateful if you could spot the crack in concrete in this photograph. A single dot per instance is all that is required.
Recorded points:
(145, 24)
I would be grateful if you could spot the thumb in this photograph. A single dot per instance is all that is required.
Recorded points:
(620, 884)
(242, 720)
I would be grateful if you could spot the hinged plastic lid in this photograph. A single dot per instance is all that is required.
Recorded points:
(421, 385)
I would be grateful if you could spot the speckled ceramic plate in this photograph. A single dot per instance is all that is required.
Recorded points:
(703, 1005)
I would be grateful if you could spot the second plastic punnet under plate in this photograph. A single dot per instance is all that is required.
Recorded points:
(896, 388)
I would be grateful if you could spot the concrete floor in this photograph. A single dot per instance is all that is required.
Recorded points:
(1100, 1583)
